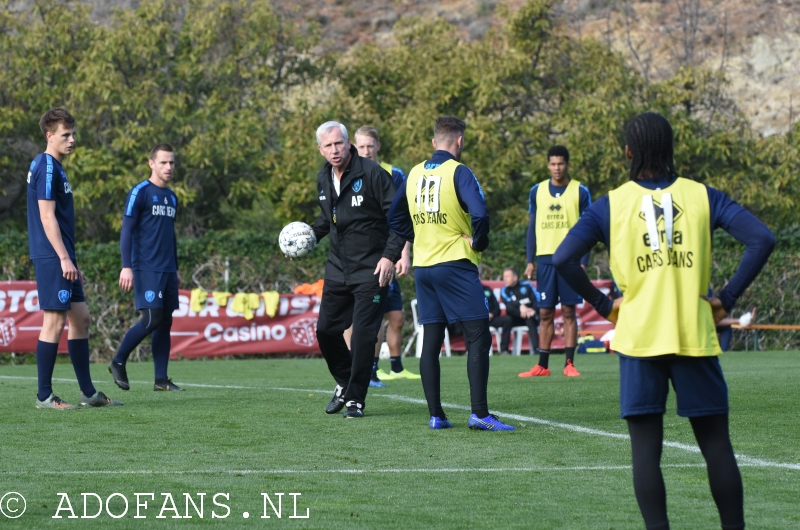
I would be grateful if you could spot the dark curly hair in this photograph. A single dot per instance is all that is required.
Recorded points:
(649, 137)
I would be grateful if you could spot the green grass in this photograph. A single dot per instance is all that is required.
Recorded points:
(387, 470)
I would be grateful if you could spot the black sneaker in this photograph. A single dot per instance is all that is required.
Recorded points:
(120, 375)
(166, 385)
(337, 401)
(354, 410)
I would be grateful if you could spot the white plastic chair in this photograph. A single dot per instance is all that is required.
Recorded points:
(517, 331)
(497, 334)
(419, 331)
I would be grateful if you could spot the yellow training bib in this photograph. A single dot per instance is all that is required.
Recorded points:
(439, 221)
(555, 216)
(387, 168)
(660, 247)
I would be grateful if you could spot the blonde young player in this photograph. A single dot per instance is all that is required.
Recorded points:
(368, 145)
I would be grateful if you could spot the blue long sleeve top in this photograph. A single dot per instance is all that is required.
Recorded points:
(595, 226)
(470, 197)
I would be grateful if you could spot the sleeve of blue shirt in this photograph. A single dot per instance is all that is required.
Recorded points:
(531, 237)
(745, 228)
(399, 217)
(398, 176)
(130, 218)
(592, 228)
(470, 196)
(585, 202)
(44, 180)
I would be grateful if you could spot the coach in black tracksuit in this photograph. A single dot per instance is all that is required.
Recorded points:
(355, 194)
(522, 309)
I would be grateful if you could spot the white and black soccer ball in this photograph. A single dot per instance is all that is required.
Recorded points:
(297, 240)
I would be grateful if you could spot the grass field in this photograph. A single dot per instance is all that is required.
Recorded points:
(250, 427)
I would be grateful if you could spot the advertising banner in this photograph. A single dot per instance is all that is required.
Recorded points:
(218, 330)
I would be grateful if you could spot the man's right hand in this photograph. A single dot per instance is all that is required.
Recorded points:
(126, 279)
(529, 268)
(68, 269)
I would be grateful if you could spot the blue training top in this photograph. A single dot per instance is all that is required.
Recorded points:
(147, 241)
(595, 227)
(555, 191)
(47, 181)
(470, 197)
(398, 177)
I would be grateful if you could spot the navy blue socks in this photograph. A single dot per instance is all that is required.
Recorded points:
(544, 358)
(161, 345)
(46, 353)
(570, 353)
(79, 355)
(132, 338)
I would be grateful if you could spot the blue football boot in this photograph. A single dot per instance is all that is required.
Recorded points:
(489, 423)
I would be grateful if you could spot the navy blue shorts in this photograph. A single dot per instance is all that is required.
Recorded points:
(394, 300)
(699, 385)
(156, 290)
(450, 292)
(552, 287)
(56, 293)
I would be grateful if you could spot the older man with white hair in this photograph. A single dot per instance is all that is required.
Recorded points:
(354, 198)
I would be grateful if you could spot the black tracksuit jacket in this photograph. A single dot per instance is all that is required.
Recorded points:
(359, 234)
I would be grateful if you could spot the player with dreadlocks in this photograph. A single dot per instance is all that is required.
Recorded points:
(658, 228)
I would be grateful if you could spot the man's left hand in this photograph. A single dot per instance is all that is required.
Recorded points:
(716, 308)
(180, 280)
(385, 272)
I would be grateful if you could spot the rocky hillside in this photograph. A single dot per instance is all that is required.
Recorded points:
(756, 43)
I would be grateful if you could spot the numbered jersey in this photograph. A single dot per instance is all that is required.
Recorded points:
(438, 218)
(660, 250)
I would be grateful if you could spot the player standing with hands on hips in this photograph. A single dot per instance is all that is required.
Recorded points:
(442, 210)
(658, 228)
(51, 239)
(150, 265)
(354, 199)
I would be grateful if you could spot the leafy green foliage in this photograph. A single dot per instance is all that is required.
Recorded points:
(233, 85)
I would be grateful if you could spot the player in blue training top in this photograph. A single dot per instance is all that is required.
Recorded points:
(150, 265)
(368, 146)
(51, 239)
(657, 228)
(555, 205)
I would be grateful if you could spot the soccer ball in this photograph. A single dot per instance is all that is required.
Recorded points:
(297, 240)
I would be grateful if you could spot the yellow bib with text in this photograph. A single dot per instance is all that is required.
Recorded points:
(439, 221)
(555, 216)
(662, 310)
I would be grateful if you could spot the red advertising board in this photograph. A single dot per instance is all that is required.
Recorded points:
(217, 331)
(213, 331)
(588, 319)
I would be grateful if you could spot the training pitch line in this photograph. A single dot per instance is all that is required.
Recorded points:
(743, 460)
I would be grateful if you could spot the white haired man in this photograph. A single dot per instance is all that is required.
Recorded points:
(354, 200)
